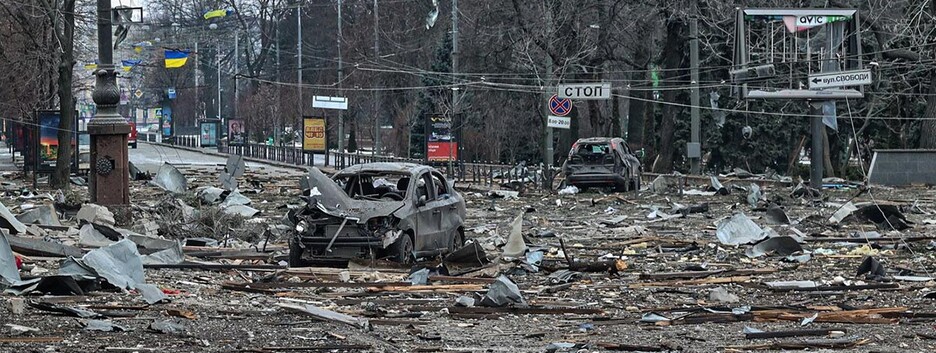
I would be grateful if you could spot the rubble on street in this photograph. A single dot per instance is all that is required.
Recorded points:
(714, 264)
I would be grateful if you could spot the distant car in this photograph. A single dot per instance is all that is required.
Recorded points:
(132, 138)
(400, 211)
(602, 162)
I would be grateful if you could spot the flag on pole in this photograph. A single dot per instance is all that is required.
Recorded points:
(176, 58)
(217, 13)
(129, 64)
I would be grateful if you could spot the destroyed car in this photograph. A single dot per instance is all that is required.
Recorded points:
(602, 162)
(399, 211)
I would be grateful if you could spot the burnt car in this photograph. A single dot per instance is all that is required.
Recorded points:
(399, 211)
(602, 162)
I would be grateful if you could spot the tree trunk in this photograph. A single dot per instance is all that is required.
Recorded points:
(63, 159)
(673, 49)
(928, 133)
(828, 170)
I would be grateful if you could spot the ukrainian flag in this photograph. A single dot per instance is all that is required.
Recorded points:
(217, 13)
(129, 64)
(176, 58)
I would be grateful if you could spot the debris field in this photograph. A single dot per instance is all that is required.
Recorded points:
(735, 263)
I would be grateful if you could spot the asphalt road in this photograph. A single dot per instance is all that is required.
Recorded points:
(149, 157)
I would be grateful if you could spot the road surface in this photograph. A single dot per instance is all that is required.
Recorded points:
(148, 157)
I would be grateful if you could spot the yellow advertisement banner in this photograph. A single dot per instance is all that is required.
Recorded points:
(313, 134)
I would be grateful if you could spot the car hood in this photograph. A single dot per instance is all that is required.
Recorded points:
(330, 199)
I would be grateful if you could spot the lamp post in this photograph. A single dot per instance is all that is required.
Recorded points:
(110, 184)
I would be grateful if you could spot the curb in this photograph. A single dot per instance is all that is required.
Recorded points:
(225, 155)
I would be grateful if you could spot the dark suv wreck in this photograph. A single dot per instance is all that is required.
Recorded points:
(400, 211)
(602, 162)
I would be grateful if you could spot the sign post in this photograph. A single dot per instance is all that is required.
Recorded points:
(840, 79)
(598, 90)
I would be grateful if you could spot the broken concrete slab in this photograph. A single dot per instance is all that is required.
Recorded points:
(96, 214)
(39, 247)
(721, 295)
(169, 178)
(170, 327)
(9, 222)
(739, 229)
(43, 215)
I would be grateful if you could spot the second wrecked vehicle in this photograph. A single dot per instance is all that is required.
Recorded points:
(602, 162)
(400, 211)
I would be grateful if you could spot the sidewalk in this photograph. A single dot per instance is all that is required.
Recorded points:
(6, 160)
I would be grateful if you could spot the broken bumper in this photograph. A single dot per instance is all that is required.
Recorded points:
(596, 179)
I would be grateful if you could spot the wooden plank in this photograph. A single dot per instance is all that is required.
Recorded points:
(46, 339)
(791, 333)
(522, 311)
(428, 288)
(275, 285)
(695, 282)
(324, 314)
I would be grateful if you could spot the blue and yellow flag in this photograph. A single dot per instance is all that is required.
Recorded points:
(176, 58)
(90, 66)
(129, 64)
(217, 13)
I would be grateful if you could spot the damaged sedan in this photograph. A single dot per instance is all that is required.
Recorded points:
(397, 211)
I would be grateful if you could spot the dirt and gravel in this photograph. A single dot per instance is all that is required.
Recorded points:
(658, 279)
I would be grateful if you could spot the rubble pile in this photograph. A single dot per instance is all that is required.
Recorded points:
(743, 263)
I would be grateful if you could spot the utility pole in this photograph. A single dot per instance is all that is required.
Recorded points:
(219, 78)
(694, 148)
(341, 136)
(197, 102)
(236, 78)
(298, 62)
(377, 119)
(452, 121)
(547, 83)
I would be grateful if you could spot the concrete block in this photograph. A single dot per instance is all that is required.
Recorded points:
(17, 306)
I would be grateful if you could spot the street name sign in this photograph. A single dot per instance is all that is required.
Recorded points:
(840, 79)
(594, 90)
(325, 102)
(559, 122)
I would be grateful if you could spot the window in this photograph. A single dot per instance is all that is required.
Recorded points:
(439, 182)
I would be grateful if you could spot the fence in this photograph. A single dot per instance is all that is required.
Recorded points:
(483, 173)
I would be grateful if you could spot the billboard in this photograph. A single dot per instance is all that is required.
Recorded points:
(236, 133)
(208, 133)
(441, 139)
(47, 147)
(313, 135)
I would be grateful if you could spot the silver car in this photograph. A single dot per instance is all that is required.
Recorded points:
(400, 211)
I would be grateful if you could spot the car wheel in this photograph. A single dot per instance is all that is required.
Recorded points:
(133, 145)
(458, 240)
(295, 253)
(402, 249)
(621, 187)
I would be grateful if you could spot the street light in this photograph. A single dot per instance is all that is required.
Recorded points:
(110, 184)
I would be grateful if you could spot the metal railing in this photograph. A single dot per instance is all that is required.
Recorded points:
(481, 173)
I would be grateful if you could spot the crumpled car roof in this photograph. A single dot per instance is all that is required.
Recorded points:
(332, 200)
(380, 167)
(594, 139)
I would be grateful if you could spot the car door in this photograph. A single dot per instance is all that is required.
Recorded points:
(448, 217)
(427, 228)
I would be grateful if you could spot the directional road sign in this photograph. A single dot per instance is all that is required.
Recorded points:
(559, 122)
(325, 102)
(559, 106)
(593, 90)
(840, 79)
